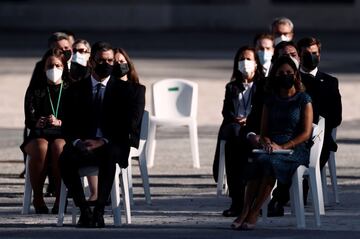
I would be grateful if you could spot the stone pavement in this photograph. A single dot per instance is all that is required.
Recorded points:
(184, 203)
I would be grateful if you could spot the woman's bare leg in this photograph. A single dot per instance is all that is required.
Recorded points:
(251, 191)
(37, 150)
(264, 190)
(56, 149)
(93, 185)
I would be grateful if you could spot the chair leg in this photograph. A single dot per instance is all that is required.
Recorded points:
(194, 144)
(297, 194)
(151, 145)
(129, 169)
(62, 203)
(333, 176)
(324, 185)
(145, 177)
(27, 189)
(221, 170)
(316, 193)
(125, 192)
(115, 199)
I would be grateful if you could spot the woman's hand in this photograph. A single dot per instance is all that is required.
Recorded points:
(269, 147)
(53, 121)
(41, 123)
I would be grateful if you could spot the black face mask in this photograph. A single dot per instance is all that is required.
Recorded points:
(103, 70)
(310, 61)
(120, 70)
(285, 81)
(67, 54)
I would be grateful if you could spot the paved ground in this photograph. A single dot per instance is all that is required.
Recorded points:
(184, 201)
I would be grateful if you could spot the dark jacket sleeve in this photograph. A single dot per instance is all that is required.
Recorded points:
(30, 109)
(137, 111)
(228, 111)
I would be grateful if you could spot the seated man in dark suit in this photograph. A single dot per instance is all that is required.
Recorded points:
(324, 91)
(97, 124)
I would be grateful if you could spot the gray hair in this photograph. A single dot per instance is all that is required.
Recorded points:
(55, 37)
(280, 21)
(82, 41)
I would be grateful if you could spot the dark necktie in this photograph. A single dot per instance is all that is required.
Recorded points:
(98, 104)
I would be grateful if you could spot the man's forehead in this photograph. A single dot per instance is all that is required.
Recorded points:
(105, 54)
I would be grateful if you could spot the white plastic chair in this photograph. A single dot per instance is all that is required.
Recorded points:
(175, 103)
(331, 164)
(140, 152)
(313, 172)
(115, 196)
(27, 189)
(222, 187)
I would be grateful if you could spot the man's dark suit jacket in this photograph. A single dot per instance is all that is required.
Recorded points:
(324, 91)
(116, 118)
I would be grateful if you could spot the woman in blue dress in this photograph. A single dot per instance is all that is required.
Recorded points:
(286, 124)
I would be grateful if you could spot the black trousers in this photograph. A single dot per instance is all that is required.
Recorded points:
(72, 160)
(235, 162)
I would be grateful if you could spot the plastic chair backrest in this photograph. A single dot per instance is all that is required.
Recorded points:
(173, 98)
(317, 138)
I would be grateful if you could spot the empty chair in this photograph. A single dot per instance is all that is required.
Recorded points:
(175, 103)
(332, 170)
(115, 196)
(140, 153)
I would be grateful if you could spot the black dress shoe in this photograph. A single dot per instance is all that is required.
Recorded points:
(43, 209)
(86, 218)
(98, 220)
(231, 212)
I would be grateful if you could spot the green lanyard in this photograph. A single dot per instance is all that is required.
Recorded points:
(58, 101)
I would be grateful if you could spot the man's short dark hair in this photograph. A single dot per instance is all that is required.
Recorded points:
(307, 42)
(55, 37)
(100, 46)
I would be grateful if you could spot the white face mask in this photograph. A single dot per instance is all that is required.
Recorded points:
(247, 67)
(265, 56)
(281, 38)
(81, 59)
(54, 74)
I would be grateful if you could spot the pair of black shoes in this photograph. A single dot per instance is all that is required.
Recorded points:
(89, 219)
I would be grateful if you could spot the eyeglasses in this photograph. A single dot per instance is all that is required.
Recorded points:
(81, 51)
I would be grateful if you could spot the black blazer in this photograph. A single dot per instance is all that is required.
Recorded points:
(324, 91)
(116, 120)
(138, 100)
(231, 101)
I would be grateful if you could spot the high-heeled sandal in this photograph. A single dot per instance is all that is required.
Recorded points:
(237, 224)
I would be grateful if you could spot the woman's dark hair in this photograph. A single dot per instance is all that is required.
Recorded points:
(282, 60)
(236, 74)
(132, 74)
